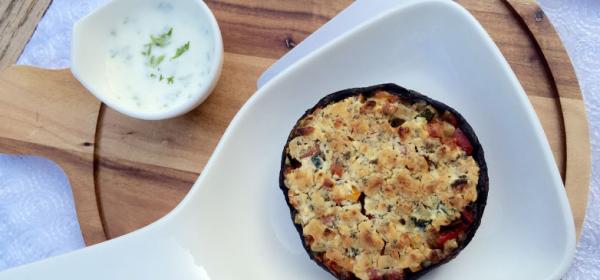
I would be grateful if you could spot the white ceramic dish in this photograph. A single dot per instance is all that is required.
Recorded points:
(91, 42)
(237, 225)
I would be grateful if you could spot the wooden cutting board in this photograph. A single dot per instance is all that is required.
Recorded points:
(127, 173)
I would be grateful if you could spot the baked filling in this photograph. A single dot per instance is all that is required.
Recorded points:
(381, 186)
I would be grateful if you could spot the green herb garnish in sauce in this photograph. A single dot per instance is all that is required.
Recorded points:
(153, 61)
(147, 50)
(162, 39)
(181, 50)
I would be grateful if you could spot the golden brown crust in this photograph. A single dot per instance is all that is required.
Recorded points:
(379, 185)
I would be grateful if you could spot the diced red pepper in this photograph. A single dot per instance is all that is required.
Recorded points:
(462, 141)
(468, 216)
(453, 233)
(448, 235)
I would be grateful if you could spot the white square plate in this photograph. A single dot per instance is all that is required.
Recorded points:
(235, 224)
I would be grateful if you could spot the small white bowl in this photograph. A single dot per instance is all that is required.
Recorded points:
(88, 54)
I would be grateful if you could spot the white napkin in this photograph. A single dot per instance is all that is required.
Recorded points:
(37, 217)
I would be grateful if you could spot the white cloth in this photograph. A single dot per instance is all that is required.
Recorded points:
(37, 217)
(578, 25)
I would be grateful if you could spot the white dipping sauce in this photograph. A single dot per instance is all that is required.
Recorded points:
(151, 75)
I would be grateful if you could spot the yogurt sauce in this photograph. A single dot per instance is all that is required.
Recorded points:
(157, 56)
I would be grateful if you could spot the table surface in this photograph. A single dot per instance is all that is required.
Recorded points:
(577, 22)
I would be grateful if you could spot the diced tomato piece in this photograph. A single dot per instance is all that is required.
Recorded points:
(307, 130)
(327, 183)
(468, 216)
(310, 152)
(450, 118)
(435, 130)
(462, 141)
(337, 169)
(449, 235)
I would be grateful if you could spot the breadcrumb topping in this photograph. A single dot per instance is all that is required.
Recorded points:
(380, 184)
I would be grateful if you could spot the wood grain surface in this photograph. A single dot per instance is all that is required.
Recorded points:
(18, 19)
(48, 113)
(144, 168)
(174, 151)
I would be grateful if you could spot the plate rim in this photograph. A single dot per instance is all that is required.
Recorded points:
(567, 217)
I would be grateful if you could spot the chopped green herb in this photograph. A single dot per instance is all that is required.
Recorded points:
(153, 61)
(158, 41)
(156, 60)
(317, 161)
(162, 39)
(420, 223)
(148, 50)
(353, 252)
(427, 114)
(181, 50)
